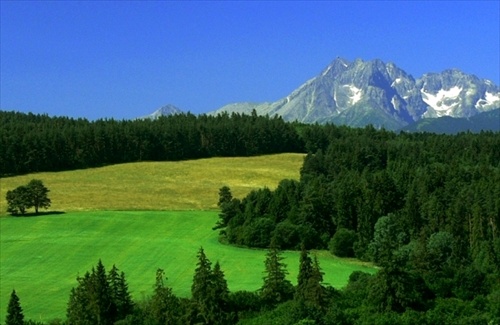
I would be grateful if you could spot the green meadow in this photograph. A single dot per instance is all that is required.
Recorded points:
(139, 217)
(169, 185)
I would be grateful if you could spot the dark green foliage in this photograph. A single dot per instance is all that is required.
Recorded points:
(38, 195)
(18, 200)
(15, 314)
(387, 238)
(120, 295)
(244, 301)
(32, 195)
(228, 207)
(164, 306)
(276, 288)
(210, 294)
(99, 298)
(33, 143)
(342, 243)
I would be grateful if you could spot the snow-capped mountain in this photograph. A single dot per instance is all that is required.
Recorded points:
(373, 92)
(456, 94)
(164, 111)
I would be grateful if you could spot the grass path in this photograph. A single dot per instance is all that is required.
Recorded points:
(41, 256)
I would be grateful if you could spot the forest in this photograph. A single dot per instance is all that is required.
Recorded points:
(425, 208)
(34, 143)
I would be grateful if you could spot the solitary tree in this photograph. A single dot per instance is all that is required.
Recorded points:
(32, 195)
(38, 195)
(14, 311)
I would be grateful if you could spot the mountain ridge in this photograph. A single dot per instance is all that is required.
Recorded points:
(357, 93)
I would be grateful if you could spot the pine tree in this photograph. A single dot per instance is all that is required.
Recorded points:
(120, 296)
(276, 288)
(315, 292)
(91, 301)
(305, 273)
(222, 312)
(202, 288)
(164, 305)
(14, 311)
(101, 303)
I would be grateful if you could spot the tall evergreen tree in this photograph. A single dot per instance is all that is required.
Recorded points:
(305, 273)
(120, 296)
(202, 288)
(315, 292)
(101, 303)
(276, 288)
(164, 305)
(223, 313)
(93, 300)
(15, 314)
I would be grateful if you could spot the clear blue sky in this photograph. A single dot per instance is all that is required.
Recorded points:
(122, 59)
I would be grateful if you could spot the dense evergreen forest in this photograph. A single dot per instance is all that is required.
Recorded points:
(34, 143)
(423, 207)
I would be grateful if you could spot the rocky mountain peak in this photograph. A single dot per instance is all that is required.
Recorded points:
(373, 92)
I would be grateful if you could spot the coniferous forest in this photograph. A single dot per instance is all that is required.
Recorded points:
(425, 208)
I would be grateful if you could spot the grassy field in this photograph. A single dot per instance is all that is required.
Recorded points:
(139, 216)
(41, 256)
(183, 185)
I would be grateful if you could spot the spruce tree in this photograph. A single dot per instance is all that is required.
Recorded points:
(120, 296)
(222, 313)
(276, 288)
(91, 302)
(163, 307)
(202, 288)
(305, 273)
(314, 291)
(101, 303)
(14, 311)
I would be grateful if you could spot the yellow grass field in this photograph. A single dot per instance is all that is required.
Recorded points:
(182, 185)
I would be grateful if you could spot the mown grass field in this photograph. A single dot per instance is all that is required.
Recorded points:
(141, 217)
(41, 256)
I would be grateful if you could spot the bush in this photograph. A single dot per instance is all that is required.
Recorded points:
(342, 243)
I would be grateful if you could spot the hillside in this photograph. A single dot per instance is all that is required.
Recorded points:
(183, 185)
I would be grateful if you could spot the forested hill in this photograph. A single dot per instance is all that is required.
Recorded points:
(424, 207)
(34, 143)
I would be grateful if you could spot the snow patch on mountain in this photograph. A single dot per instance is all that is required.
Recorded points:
(355, 94)
(444, 101)
(396, 81)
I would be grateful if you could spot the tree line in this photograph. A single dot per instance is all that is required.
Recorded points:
(397, 294)
(34, 143)
(103, 298)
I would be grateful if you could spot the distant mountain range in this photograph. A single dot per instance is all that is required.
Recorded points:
(361, 92)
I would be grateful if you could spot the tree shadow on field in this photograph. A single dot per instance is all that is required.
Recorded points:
(39, 214)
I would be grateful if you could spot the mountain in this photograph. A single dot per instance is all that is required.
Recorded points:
(485, 121)
(361, 92)
(164, 111)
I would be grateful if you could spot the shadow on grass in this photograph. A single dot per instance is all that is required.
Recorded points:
(39, 214)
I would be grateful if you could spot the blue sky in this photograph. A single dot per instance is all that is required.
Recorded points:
(122, 59)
